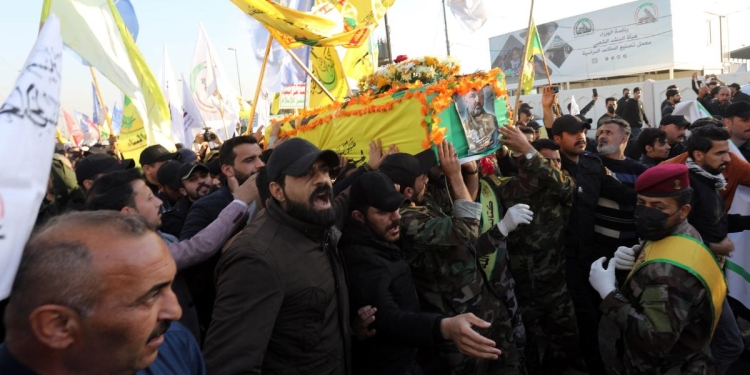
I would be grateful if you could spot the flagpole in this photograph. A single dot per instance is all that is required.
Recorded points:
(259, 85)
(546, 69)
(445, 23)
(104, 111)
(523, 63)
(307, 70)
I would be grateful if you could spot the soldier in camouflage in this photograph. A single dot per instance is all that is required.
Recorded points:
(441, 252)
(664, 309)
(537, 259)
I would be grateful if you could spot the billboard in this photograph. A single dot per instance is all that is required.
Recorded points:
(626, 39)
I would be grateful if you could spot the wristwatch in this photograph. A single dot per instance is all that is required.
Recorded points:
(530, 154)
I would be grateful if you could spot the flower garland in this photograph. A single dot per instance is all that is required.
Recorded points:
(426, 69)
(440, 96)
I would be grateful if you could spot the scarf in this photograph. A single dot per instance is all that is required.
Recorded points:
(719, 182)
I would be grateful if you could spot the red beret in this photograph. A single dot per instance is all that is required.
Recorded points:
(663, 180)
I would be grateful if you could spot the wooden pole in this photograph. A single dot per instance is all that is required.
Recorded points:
(307, 70)
(523, 63)
(259, 85)
(104, 110)
(546, 69)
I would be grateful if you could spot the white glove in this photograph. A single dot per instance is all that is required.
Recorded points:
(603, 280)
(624, 258)
(518, 214)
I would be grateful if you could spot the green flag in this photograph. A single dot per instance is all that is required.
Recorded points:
(533, 47)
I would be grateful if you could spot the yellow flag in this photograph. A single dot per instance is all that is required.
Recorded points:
(95, 30)
(326, 66)
(533, 48)
(133, 138)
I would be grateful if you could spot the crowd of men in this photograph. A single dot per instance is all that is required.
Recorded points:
(282, 258)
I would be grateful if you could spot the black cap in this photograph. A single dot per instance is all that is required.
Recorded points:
(525, 105)
(526, 111)
(187, 169)
(566, 124)
(404, 169)
(214, 167)
(187, 155)
(95, 164)
(157, 153)
(678, 120)
(735, 85)
(167, 174)
(375, 189)
(534, 125)
(295, 157)
(738, 109)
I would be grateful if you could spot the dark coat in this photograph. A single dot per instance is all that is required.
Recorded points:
(380, 277)
(173, 220)
(707, 214)
(282, 304)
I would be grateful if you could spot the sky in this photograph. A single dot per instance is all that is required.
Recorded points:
(417, 29)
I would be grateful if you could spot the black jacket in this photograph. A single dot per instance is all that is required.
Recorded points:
(282, 304)
(204, 211)
(633, 113)
(380, 277)
(707, 214)
(715, 107)
(592, 181)
(621, 105)
(740, 97)
(677, 149)
(173, 220)
(648, 162)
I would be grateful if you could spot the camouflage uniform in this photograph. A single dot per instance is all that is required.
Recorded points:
(440, 250)
(537, 259)
(666, 317)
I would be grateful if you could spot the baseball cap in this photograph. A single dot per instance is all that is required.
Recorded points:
(375, 189)
(187, 155)
(295, 157)
(678, 120)
(157, 153)
(403, 169)
(95, 164)
(738, 109)
(586, 121)
(566, 124)
(735, 85)
(187, 169)
(534, 125)
(525, 105)
(167, 174)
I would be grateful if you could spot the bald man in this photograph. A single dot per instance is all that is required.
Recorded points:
(93, 296)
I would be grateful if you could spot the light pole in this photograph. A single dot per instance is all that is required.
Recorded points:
(237, 63)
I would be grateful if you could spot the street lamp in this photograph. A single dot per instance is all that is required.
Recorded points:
(237, 63)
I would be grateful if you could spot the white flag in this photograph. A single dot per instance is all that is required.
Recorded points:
(470, 14)
(208, 82)
(691, 109)
(171, 93)
(28, 119)
(192, 119)
(574, 110)
(737, 267)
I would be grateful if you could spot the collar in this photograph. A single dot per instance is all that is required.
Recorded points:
(10, 365)
(312, 231)
(718, 181)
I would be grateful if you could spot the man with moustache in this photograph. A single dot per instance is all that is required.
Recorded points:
(193, 181)
(718, 105)
(282, 303)
(654, 147)
(480, 124)
(127, 192)
(93, 296)
(737, 121)
(669, 306)
(581, 248)
(379, 276)
(675, 127)
(673, 97)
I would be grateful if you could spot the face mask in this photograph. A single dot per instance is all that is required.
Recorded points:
(651, 224)
(611, 109)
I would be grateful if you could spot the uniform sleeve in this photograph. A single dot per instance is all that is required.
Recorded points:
(552, 178)
(445, 231)
(669, 299)
(248, 299)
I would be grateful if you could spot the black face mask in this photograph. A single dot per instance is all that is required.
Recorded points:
(651, 224)
(611, 109)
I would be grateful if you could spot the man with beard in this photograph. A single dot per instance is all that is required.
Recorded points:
(193, 181)
(737, 121)
(613, 136)
(718, 105)
(168, 185)
(479, 124)
(675, 127)
(737, 94)
(654, 147)
(665, 102)
(127, 192)
(93, 296)
(634, 114)
(611, 105)
(581, 248)
(673, 97)
(621, 102)
(379, 276)
(669, 305)
(282, 302)
(443, 250)
(151, 159)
